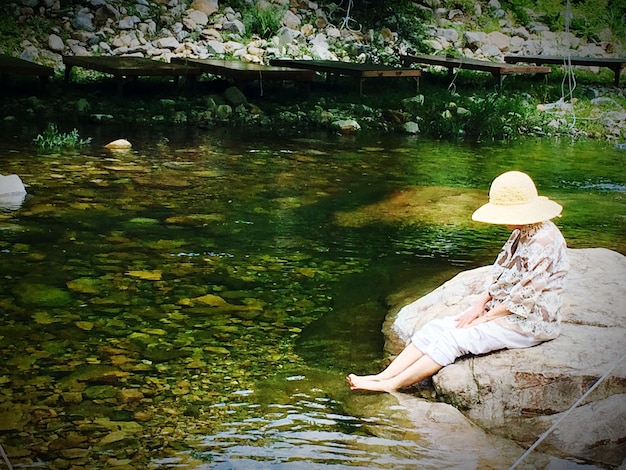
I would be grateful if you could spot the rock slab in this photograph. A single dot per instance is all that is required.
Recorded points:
(518, 394)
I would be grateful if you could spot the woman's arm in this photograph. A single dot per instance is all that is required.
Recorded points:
(499, 311)
(475, 311)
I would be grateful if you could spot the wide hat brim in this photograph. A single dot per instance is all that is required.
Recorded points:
(540, 210)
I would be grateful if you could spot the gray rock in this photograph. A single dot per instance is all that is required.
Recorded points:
(83, 20)
(167, 43)
(55, 43)
(234, 26)
(291, 20)
(128, 22)
(217, 47)
(411, 127)
(454, 13)
(449, 34)
(439, 427)
(30, 53)
(603, 101)
(490, 50)
(346, 126)
(616, 115)
(287, 36)
(143, 10)
(498, 39)
(79, 50)
(434, 44)
(537, 27)
(531, 47)
(148, 28)
(519, 31)
(206, 6)
(516, 44)
(519, 393)
(474, 39)
(198, 17)
(106, 12)
(235, 97)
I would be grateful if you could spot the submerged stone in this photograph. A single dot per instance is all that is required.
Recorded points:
(97, 373)
(146, 275)
(436, 205)
(195, 219)
(41, 295)
(144, 221)
(13, 418)
(84, 285)
(165, 353)
(100, 392)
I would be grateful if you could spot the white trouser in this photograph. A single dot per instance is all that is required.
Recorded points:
(444, 342)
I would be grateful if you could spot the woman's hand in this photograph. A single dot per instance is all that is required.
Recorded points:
(470, 316)
(477, 315)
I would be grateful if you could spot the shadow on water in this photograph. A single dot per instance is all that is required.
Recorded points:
(197, 301)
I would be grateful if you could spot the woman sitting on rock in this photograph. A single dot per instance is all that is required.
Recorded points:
(521, 307)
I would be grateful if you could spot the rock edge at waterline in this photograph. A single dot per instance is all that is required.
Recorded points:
(518, 394)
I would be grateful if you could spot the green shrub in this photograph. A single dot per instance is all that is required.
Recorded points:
(52, 139)
(9, 32)
(263, 22)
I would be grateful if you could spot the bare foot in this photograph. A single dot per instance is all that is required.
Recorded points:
(375, 377)
(362, 383)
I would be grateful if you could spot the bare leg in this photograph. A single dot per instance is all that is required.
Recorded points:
(405, 359)
(421, 369)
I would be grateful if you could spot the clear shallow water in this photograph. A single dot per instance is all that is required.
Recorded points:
(197, 302)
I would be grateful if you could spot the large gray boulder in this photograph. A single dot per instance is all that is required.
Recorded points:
(519, 393)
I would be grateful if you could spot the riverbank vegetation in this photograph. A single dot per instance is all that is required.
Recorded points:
(470, 107)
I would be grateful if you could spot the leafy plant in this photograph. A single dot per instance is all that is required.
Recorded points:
(615, 16)
(52, 139)
(263, 21)
(9, 31)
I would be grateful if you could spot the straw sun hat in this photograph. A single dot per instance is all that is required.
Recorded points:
(513, 200)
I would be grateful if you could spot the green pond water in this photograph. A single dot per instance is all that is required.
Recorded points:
(197, 301)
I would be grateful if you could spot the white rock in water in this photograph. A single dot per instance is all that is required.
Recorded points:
(12, 192)
(11, 184)
(119, 144)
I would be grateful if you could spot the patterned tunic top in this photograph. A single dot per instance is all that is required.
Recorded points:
(530, 272)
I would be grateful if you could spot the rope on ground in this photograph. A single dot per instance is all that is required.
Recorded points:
(564, 415)
(346, 23)
(452, 85)
(261, 81)
(5, 457)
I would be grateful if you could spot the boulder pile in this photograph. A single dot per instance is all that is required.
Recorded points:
(204, 28)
